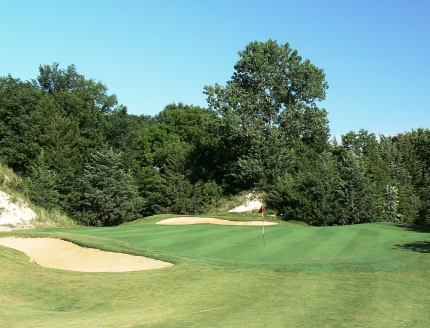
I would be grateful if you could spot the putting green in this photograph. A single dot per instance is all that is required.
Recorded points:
(372, 275)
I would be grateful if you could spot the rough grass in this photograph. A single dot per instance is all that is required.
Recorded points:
(372, 275)
(52, 217)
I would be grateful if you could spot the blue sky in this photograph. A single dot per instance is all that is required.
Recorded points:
(151, 53)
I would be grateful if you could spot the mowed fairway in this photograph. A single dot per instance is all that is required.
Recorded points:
(371, 275)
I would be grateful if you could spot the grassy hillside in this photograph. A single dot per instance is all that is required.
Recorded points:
(13, 185)
(371, 275)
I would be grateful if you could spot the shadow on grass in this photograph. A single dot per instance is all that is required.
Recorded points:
(414, 227)
(417, 246)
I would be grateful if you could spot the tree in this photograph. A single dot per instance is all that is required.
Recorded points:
(84, 101)
(58, 136)
(414, 156)
(54, 80)
(42, 184)
(272, 88)
(176, 194)
(78, 149)
(360, 201)
(18, 147)
(196, 128)
(123, 133)
(312, 194)
(391, 203)
(106, 194)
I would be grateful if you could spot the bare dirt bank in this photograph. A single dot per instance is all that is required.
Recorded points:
(60, 254)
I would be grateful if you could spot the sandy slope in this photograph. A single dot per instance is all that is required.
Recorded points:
(199, 220)
(60, 254)
(14, 211)
(251, 205)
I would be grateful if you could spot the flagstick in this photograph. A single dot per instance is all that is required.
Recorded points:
(262, 221)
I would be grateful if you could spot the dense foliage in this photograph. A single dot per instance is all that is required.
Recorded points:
(81, 152)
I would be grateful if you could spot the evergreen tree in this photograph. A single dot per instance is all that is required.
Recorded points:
(313, 194)
(42, 184)
(106, 195)
(361, 203)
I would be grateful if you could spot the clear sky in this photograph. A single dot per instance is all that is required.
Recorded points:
(150, 53)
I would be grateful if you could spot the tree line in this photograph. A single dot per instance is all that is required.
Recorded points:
(80, 151)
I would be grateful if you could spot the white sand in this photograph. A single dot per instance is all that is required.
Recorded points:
(250, 205)
(200, 220)
(14, 212)
(60, 254)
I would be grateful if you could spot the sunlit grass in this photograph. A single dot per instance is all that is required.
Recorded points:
(368, 275)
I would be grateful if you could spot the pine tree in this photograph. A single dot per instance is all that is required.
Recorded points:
(106, 194)
(42, 184)
(360, 201)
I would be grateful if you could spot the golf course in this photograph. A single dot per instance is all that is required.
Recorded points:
(367, 275)
(214, 164)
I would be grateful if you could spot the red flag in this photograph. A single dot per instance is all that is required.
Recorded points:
(261, 210)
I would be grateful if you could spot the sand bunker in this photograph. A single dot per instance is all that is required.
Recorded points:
(199, 220)
(60, 254)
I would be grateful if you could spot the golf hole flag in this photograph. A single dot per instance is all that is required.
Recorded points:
(261, 211)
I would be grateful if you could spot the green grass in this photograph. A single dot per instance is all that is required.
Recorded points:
(370, 275)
